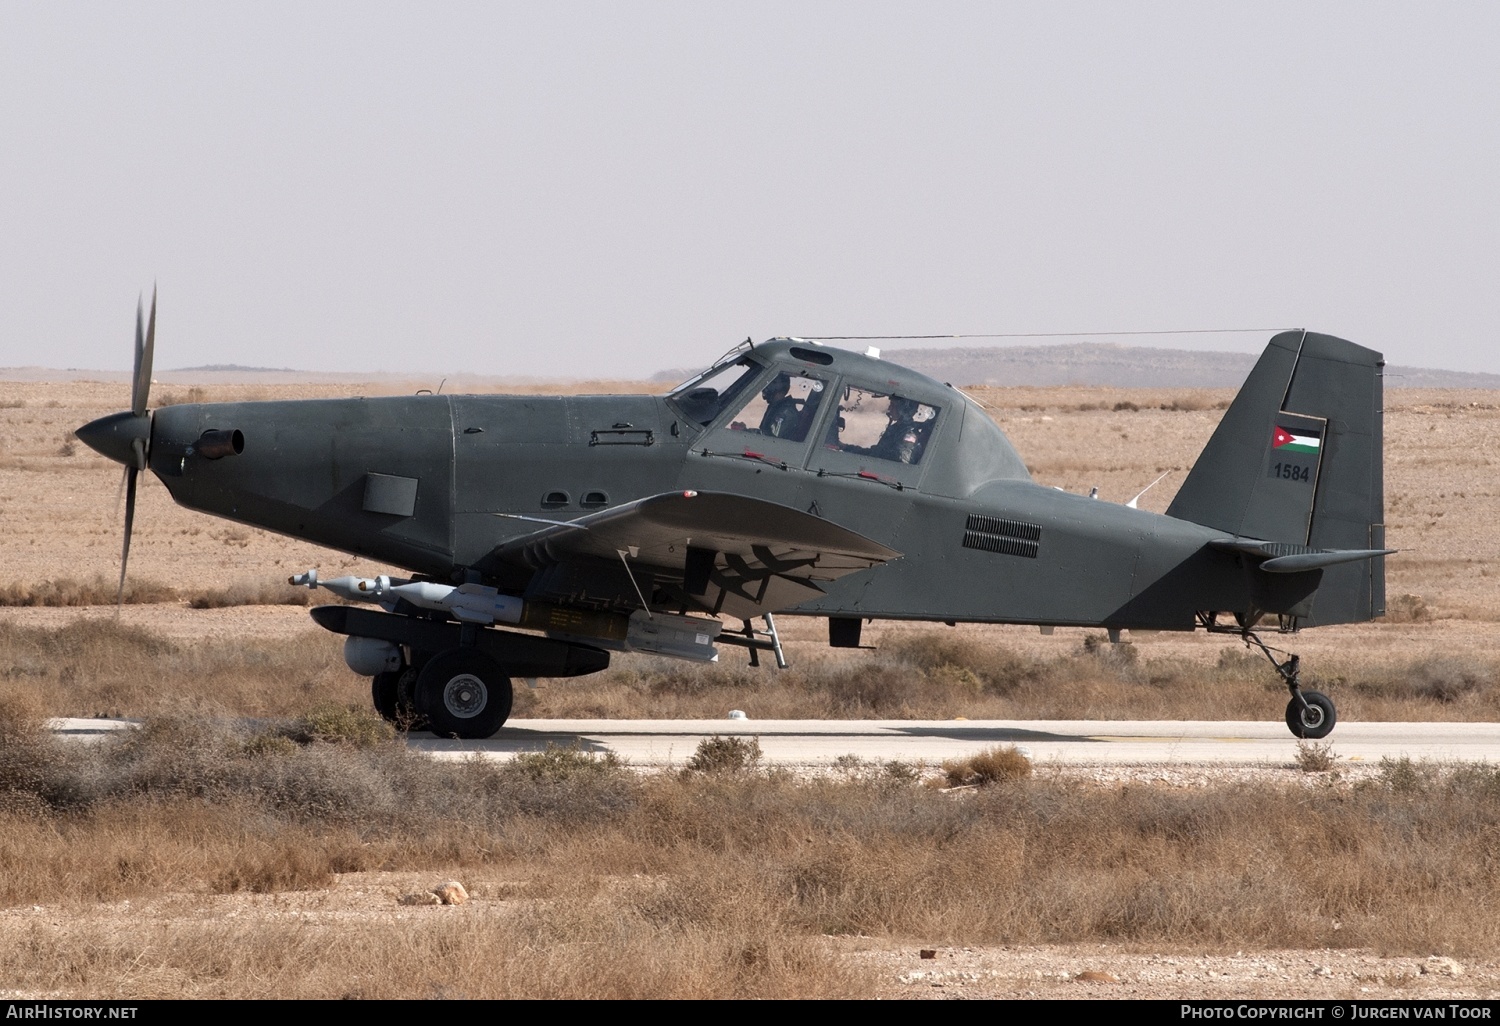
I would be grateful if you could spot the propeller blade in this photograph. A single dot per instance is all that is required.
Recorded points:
(130, 476)
(120, 493)
(140, 349)
(140, 391)
(140, 395)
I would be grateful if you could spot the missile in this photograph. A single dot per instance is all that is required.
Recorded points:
(687, 637)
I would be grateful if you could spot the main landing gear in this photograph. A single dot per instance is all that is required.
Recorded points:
(458, 693)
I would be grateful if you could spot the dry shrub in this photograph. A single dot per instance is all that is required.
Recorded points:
(360, 727)
(1187, 404)
(268, 745)
(939, 674)
(878, 688)
(566, 762)
(21, 713)
(1440, 679)
(1126, 406)
(671, 677)
(1407, 776)
(101, 667)
(1000, 764)
(373, 785)
(702, 881)
(725, 755)
(1242, 663)
(599, 945)
(1118, 654)
(998, 670)
(26, 752)
(98, 591)
(1408, 609)
(1448, 678)
(1315, 756)
(195, 394)
(893, 771)
(250, 593)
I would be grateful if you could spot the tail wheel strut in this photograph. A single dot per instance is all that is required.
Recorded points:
(1309, 714)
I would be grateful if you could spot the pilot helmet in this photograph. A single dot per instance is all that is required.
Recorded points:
(776, 388)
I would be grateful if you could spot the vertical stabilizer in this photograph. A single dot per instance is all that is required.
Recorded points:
(1297, 459)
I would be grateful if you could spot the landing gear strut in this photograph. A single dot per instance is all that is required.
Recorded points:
(1309, 714)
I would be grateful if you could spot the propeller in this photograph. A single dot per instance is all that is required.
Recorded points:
(140, 392)
(126, 437)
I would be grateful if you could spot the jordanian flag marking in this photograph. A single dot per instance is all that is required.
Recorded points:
(1291, 442)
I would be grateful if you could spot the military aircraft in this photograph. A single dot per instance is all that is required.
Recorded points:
(790, 477)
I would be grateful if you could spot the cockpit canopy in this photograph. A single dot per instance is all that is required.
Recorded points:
(841, 413)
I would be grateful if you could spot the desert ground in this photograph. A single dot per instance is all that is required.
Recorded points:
(120, 900)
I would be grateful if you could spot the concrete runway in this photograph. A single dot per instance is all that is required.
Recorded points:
(815, 743)
(818, 743)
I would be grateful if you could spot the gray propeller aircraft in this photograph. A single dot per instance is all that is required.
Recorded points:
(543, 533)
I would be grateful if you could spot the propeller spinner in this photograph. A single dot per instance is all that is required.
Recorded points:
(126, 437)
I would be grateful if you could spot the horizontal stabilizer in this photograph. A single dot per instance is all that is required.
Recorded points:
(1318, 560)
(1283, 558)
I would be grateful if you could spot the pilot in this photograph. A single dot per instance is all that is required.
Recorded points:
(783, 413)
(904, 437)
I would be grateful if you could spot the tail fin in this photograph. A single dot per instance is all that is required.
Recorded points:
(1297, 460)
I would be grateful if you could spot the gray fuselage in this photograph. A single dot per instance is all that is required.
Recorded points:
(435, 483)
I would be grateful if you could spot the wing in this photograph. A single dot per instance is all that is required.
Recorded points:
(717, 551)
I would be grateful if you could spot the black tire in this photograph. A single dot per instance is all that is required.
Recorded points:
(383, 694)
(394, 696)
(407, 716)
(1314, 721)
(463, 693)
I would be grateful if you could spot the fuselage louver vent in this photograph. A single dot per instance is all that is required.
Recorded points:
(1007, 537)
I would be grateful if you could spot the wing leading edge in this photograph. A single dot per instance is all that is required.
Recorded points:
(730, 553)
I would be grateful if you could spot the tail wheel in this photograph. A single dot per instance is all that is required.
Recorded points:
(1313, 717)
(463, 693)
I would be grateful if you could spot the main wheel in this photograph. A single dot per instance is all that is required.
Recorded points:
(407, 716)
(383, 693)
(1313, 721)
(394, 696)
(463, 693)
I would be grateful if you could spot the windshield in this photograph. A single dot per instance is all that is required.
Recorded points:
(704, 397)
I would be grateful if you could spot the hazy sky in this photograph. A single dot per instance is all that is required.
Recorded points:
(614, 188)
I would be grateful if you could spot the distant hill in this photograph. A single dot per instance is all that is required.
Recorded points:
(234, 368)
(1102, 363)
(1079, 363)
